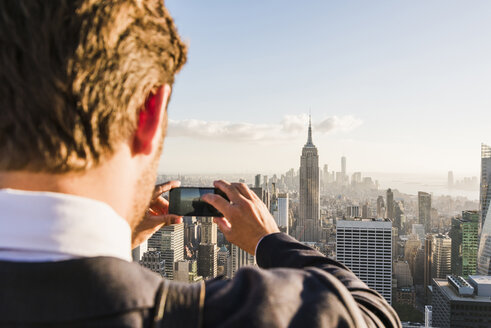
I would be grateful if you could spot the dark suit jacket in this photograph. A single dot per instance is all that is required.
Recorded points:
(295, 286)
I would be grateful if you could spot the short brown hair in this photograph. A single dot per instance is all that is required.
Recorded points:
(74, 75)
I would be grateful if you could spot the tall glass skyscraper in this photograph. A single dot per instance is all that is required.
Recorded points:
(484, 253)
(309, 216)
(485, 197)
(465, 242)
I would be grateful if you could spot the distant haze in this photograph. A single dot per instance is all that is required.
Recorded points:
(393, 86)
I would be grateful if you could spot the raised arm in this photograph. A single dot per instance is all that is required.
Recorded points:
(295, 285)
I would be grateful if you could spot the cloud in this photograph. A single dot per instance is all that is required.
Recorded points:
(290, 127)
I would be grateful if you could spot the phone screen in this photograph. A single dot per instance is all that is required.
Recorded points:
(186, 201)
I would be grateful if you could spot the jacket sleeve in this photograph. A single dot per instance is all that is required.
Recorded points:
(295, 286)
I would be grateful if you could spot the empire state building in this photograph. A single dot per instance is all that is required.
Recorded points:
(308, 225)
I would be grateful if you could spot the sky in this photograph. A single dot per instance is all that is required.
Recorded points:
(395, 86)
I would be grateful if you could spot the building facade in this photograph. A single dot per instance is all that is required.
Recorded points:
(485, 190)
(465, 243)
(240, 258)
(399, 217)
(154, 261)
(402, 273)
(207, 260)
(442, 256)
(282, 214)
(186, 271)
(380, 207)
(308, 224)
(172, 247)
(390, 204)
(428, 263)
(208, 249)
(484, 252)
(154, 243)
(353, 211)
(424, 210)
(365, 246)
(224, 262)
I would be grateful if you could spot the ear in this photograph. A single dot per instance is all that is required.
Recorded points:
(149, 129)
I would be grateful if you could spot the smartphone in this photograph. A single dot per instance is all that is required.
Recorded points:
(186, 201)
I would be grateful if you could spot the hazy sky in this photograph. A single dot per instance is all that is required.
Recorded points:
(395, 86)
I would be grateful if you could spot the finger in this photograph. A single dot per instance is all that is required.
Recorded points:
(217, 202)
(231, 192)
(224, 225)
(164, 187)
(244, 191)
(152, 212)
(167, 219)
(160, 206)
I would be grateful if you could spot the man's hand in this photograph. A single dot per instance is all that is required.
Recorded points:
(156, 216)
(247, 218)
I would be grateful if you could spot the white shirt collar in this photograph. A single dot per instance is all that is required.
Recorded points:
(46, 226)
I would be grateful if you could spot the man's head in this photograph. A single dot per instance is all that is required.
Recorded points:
(81, 79)
(74, 76)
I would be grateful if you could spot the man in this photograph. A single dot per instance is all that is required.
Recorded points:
(84, 88)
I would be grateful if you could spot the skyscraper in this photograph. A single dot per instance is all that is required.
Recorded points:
(343, 166)
(356, 178)
(224, 262)
(257, 181)
(485, 197)
(460, 303)
(240, 258)
(380, 207)
(442, 256)
(207, 260)
(309, 215)
(450, 180)
(424, 210)
(390, 204)
(365, 246)
(281, 214)
(208, 231)
(484, 253)
(172, 247)
(353, 211)
(428, 263)
(154, 243)
(398, 215)
(208, 250)
(465, 242)
(325, 175)
(364, 211)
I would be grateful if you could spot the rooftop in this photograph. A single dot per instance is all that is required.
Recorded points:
(452, 295)
(461, 285)
(482, 279)
(365, 223)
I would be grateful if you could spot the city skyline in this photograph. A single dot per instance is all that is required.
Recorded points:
(397, 87)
